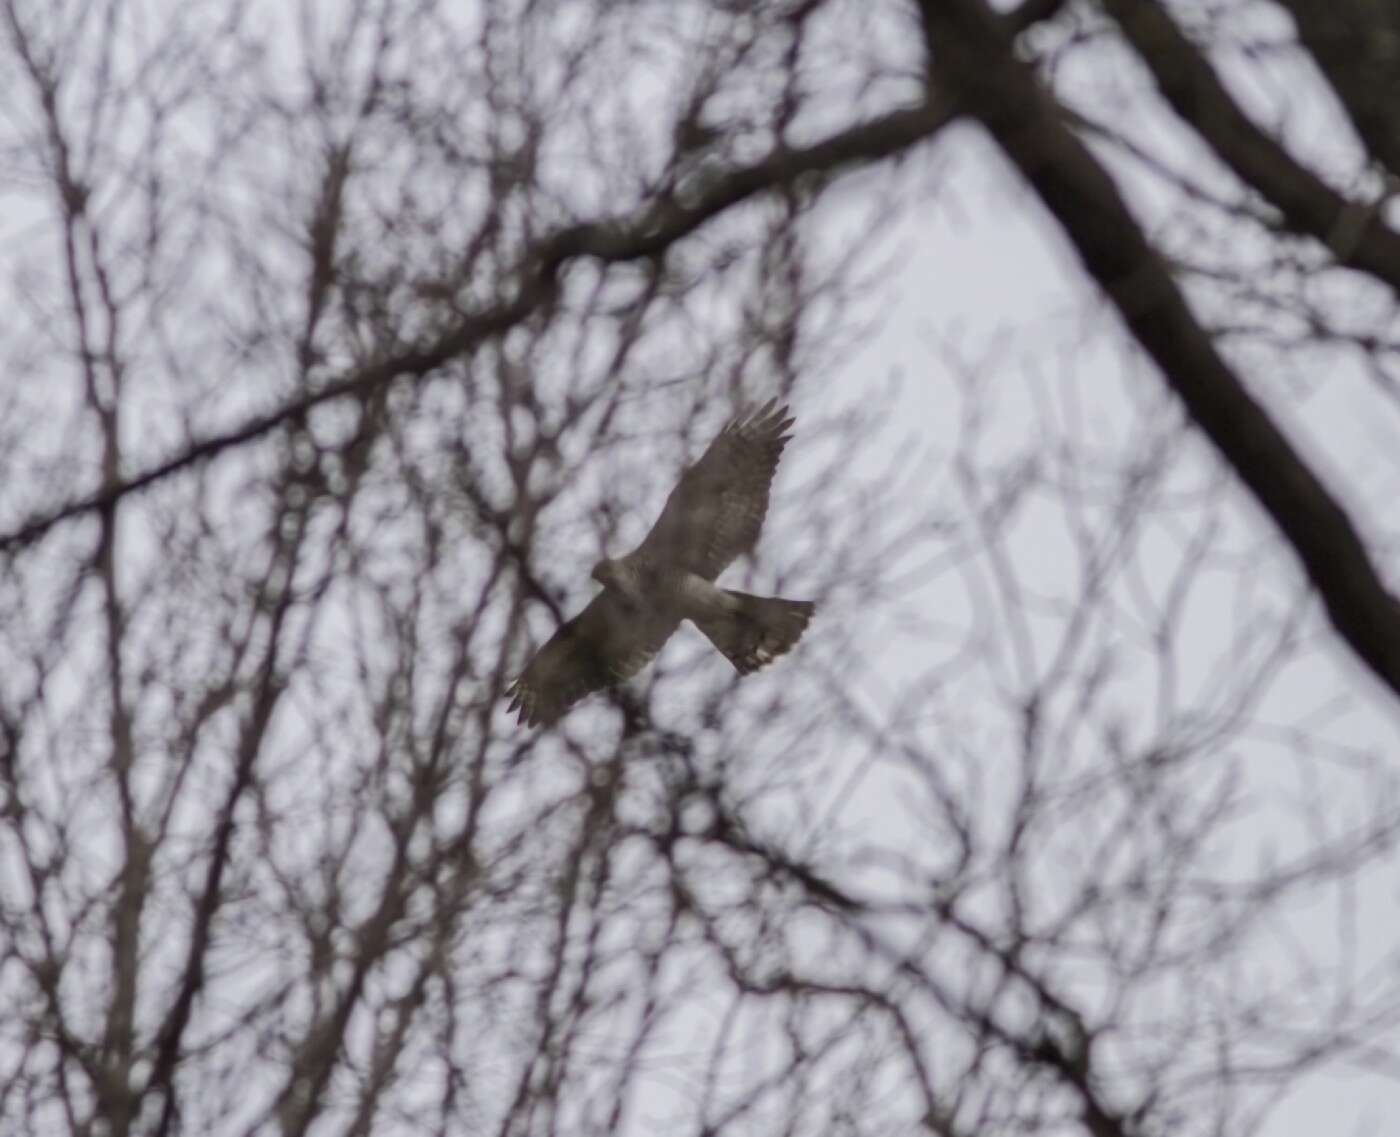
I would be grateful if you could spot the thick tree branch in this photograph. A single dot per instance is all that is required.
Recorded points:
(1354, 232)
(972, 55)
(646, 233)
(1357, 45)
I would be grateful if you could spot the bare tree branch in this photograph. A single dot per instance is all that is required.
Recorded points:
(1355, 44)
(649, 232)
(972, 56)
(1355, 232)
(1040, 827)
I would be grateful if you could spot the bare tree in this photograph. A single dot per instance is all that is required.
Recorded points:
(342, 339)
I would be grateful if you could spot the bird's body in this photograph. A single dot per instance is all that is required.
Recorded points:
(712, 516)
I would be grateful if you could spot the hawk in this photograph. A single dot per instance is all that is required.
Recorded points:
(713, 515)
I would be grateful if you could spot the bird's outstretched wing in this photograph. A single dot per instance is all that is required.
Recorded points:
(717, 508)
(606, 643)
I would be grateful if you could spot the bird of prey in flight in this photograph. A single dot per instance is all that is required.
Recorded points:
(712, 516)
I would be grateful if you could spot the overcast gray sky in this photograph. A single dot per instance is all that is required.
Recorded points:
(1018, 502)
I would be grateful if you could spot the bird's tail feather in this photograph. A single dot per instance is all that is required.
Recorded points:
(757, 629)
